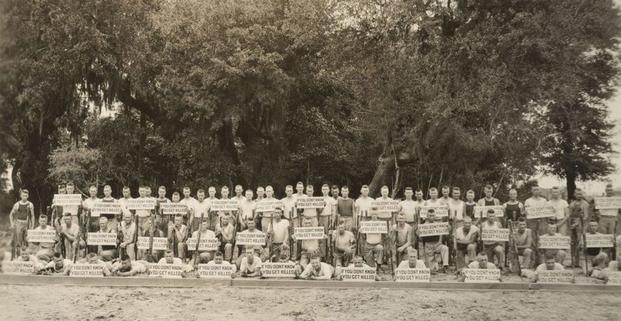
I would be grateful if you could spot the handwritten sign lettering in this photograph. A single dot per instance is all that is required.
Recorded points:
(375, 227)
(310, 202)
(433, 229)
(482, 275)
(438, 211)
(41, 236)
(309, 233)
(105, 208)
(495, 234)
(86, 270)
(159, 243)
(15, 267)
(540, 212)
(67, 199)
(555, 276)
(357, 274)
(215, 271)
(554, 242)
(174, 208)
(599, 240)
(169, 271)
(102, 238)
(385, 205)
(481, 211)
(256, 238)
(224, 205)
(278, 270)
(206, 244)
(144, 204)
(413, 275)
(602, 203)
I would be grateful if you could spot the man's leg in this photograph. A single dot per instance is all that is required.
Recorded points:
(561, 255)
(368, 254)
(378, 252)
(499, 252)
(228, 251)
(472, 252)
(528, 256)
(444, 253)
(460, 259)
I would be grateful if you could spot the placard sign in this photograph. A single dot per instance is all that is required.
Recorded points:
(278, 270)
(169, 271)
(310, 202)
(438, 211)
(18, 267)
(67, 199)
(105, 208)
(495, 234)
(555, 276)
(599, 240)
(86, 270)
(309, 233)
(374, 227)
(605, 203)
(205, 245)
(413, 275)
(385, 205)
(224, 205)
(433, 229)
(215, 271)
(99, 238)
(481, 211)
(143, 204)
(554, 242)
(41, 236)
(540, 212)
(357, 274)
(159, 243)
(268, 206)
(256, 238)
(174, 208)
(482, 275)
(614, 277)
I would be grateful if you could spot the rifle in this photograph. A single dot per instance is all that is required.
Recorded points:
(292, 243)
(235, 230)
(151, 232)
(136, 237)
(584, 246)
(77, 239)
(614, 242)
(515, 258)
(330, 245)
(270, 237)
(198, 240)
(86, 227)
(392, 244)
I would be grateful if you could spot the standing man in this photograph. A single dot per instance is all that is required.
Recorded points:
(247, 209)
(469, 205)
(489, 199)
(579, 212)
(112, 219)
(537, 225)
(385, 215)
(408, 206)
(433, 198)
(456, 207)
(239, 194)
(514, 209)
(445, 195)
(128, 233)
(561, 210)
(88, 205)
(363, 205)
(21, 218)
(288, 202)
(127, 195)
(328, 213)
(609, 218)
(266, 218)
(345, 208)
(72, 209)
(201, 208)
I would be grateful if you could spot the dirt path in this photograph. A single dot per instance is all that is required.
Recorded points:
(218, 303)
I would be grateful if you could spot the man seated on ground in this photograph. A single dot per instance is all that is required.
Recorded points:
(550, 264)
(26, 255)
(317, 270)
(309, 247)
(613, 266)
(225, 231)
(466, 238)
(127, 267)
(206, 234)
(57, 266)
(596, 256)
(92, 258)
(412, 262)
(482, 263)
(250, 266)
(494, 250)
(560, 255)
(219, 260)
(169, 258)
(356, 262)
(177, 235)
(344, 244)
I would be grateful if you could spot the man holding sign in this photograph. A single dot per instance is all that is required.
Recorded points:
(344, 244)
(402, 236)
(44, 248)
(608, 215)
(435, 252)
(595, 254)
(493, 248)
(559, 254)
(412, 262)
(466, 238)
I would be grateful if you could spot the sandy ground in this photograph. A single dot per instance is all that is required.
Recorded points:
(60, 302)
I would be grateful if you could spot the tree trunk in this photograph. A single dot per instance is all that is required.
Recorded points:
(570, 176)
(383, 174)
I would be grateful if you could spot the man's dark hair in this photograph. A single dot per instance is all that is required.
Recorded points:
(125, 257)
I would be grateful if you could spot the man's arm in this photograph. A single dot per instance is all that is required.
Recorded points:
(307, 271)
(32, 215)
(13, 210)
(408, 235)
